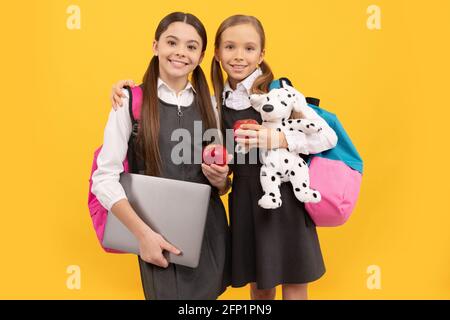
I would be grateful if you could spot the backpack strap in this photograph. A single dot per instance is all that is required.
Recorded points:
(134, 108)
(135, 105)
(313, 101)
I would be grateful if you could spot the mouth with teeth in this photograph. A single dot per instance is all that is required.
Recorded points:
(178, 63)
(238, 67)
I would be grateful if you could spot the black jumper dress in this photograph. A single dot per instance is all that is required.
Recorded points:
(212, 275)
(269, 247)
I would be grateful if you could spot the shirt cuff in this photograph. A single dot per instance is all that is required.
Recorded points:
(296, 141)
(109, 195)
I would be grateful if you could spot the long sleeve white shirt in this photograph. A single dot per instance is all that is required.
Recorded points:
(105, 180)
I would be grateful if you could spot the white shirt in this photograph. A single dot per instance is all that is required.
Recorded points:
(184, 98)
(105, 180)
(297, 141)
(238, 99)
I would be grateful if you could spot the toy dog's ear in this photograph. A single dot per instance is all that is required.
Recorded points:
(256, 100)
(299, 101)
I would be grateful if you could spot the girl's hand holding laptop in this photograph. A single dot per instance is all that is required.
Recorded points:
(151, 247)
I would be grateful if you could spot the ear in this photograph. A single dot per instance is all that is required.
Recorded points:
(257, 100)
(261, 56)
(155, 47)
(216, 55)
(299, 101)
(201, 58)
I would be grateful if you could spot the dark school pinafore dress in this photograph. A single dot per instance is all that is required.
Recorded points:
(268, 246)
(212, 275)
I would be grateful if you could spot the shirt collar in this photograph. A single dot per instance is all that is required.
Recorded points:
(189, 86)
(245, 84)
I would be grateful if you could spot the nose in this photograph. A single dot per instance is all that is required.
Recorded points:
(180, 52)
(239, 55)
(267, 108)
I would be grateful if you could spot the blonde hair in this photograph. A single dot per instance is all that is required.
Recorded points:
(262, 83)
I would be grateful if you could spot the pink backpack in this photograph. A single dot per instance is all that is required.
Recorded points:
(337, 174)
(339, 184)
(98, 213)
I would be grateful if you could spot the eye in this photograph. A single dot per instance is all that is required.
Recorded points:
(250, 49)
(229, 46)
(171, 43)
(192, 47)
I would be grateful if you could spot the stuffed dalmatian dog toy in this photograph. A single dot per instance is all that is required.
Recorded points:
(282, 165)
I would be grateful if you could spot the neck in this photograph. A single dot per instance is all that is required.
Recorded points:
(233, 82)
(176, 84)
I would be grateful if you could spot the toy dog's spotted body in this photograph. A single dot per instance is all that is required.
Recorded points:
(282, 165)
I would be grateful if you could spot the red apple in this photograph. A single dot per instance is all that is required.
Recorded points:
(215, 153)
(239, 123)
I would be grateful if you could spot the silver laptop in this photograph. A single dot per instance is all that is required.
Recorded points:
(175, 209)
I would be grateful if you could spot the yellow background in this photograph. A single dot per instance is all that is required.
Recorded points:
(389, 87)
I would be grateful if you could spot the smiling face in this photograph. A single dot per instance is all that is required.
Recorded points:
(239, 52)
(179, 50)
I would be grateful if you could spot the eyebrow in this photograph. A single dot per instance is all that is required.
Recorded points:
(170, 36)
(247, 43)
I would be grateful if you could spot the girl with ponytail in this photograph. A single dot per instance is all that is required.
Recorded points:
(269, 247)
(170, 102)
